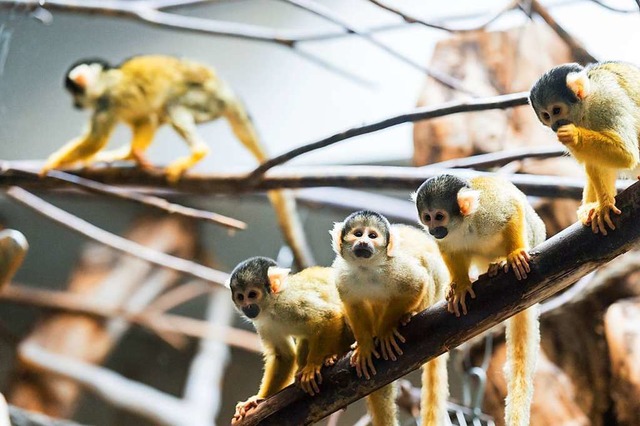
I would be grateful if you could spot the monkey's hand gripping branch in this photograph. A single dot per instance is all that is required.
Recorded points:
(456, 297)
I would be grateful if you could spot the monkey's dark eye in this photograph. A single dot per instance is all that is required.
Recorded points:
(252, 295)
(439, 216)
(240, 297)
(546, 116)
(556, 111)
(373, 235)
(427, 217)
(358, 234)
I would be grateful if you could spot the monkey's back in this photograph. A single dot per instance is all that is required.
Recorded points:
(625, 74)
(416, 243)
(148, 84)
(510, 198)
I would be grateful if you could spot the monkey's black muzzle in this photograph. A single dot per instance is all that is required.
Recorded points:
(439, 232)
(555, 126)
(251, 311)
(363, 250)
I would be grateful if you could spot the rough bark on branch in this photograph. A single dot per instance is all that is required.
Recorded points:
(556, 264)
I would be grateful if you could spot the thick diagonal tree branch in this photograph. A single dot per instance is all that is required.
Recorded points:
(556, 264)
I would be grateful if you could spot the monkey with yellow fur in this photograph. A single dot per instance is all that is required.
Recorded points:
(303, 306)
(595, 111)
(146, 92)
(487, 222)
(385, 274)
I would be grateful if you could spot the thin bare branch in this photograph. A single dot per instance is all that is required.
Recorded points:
(614, 9)
(375, 177)
(161, 408)
(151, 319)
(454, 107)
(151, 13)
(414, 20)
(327, 14)
(556, 264)
(178, 295)
(203, 389)
(498, 159)
(116, 242)
(147, 200)
(577, 50)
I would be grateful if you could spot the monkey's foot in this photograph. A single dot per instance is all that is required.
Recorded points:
(456, 296)
(309, 378)
(329, 360)
(518, 260)
(243, 407)
(568, 135)
(389, 345)
(406, 318)
(495, 267)
(598, 216)
(362, 360)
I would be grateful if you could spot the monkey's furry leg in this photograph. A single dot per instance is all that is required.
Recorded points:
(435, 391)
(284, 205)
(523, 342)
(381, 406)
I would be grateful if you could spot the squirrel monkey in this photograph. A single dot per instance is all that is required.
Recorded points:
(487, 222)
(148, 91)
(595, 112)
(385, 274)
(304, 307)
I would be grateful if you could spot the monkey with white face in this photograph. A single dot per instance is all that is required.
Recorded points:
(386, 273)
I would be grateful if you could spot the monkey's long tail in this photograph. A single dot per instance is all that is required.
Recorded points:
(523, 342)
(382, 408)
(283, 201)
(435, 391)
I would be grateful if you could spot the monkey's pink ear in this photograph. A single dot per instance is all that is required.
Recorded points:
(578, 83)
(393, 244)
(277, 277)
(468, 200)
(336, 237)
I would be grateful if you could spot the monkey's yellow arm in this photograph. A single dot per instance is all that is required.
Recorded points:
(360, 318)
(279, 365)
(83, 149)
(458, 265)
(324, 342)
(606, 148)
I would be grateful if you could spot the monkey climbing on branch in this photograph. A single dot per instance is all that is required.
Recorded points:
(385, 274)
(486, 222)
(146, 92)
(595, 112)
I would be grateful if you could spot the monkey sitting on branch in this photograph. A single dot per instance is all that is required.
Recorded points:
(386, 273)
(146, 92)
(595, 112)
(301, 322)
(487, 222)
(282, 307)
